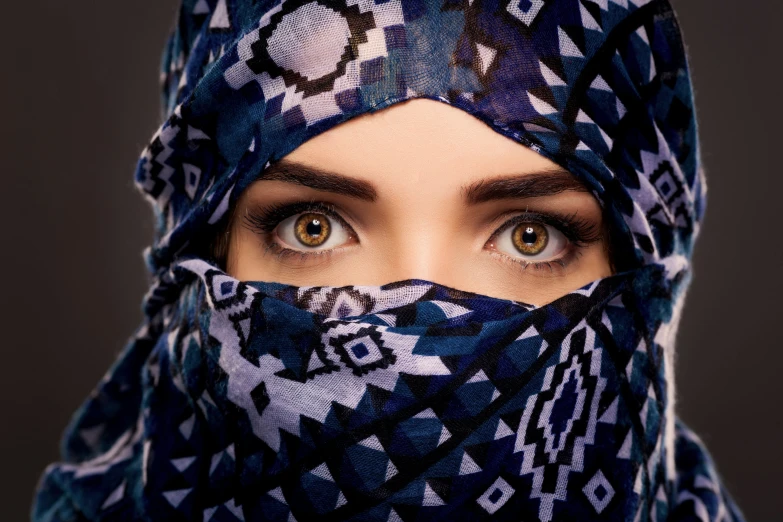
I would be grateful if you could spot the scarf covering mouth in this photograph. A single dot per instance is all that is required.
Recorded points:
(411, 400)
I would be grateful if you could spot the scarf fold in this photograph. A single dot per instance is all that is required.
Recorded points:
(251, 400)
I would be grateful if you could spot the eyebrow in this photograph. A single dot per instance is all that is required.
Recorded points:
(319, 179)
(548, 182)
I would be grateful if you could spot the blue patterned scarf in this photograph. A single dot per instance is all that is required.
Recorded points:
(412, 400)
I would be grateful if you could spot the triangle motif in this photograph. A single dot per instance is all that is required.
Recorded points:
(552, 79)
(541, 107)
(567, 45)
(220, 18)
(431, 498)
(468, 465)
(503, 430)
(588, 22)
(486, 55)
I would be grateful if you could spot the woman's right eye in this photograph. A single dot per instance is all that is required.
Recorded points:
(311, 231)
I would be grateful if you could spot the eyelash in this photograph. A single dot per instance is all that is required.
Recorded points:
(265, 219)
(579, 232)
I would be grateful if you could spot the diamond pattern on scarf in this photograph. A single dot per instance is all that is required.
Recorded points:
(408, 401)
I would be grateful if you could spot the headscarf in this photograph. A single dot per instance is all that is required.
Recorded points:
(410, 400)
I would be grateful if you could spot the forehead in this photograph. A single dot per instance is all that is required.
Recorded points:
(603, 92)
(418, 137)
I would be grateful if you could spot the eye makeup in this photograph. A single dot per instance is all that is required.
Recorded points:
(264, 219)
(580, 232)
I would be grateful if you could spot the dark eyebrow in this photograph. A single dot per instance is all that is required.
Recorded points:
(319, 179)
(536, 184)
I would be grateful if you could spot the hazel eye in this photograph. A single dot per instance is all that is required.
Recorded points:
(534, 241)
(312, 230)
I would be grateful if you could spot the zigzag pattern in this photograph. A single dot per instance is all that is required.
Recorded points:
(606, 92)
(547, 413)
(411, 401)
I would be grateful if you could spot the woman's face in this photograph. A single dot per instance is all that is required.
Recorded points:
(420, 190)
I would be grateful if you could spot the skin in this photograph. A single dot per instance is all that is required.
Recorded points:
(418, 156)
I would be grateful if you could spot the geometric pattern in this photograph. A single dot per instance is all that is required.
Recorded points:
(496, 496)
(605, 93)
(438, 404)
(240, 400)
(599, 491)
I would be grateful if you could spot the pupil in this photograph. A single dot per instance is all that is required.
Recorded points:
(314, 227)
(529, 236)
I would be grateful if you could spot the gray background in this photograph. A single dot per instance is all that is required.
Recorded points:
(79, 99)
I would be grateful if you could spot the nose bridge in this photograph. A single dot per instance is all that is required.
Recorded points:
(417, 255)
(423, 230)
(421, 237)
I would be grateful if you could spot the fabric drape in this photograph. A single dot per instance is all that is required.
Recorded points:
(253, 400)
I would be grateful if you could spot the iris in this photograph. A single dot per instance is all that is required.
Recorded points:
(530, 238)
(312, 229)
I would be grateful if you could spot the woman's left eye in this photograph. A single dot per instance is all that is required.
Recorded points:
(531, 241)
(311, 231)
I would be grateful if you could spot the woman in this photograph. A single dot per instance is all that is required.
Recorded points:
(415, 260)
